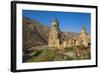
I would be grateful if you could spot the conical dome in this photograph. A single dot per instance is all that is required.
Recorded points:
(55, 22)
(84, 29)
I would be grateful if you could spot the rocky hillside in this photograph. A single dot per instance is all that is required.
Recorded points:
(71, 34)
(34, 33)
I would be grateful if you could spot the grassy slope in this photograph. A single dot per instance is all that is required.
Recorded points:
(56, 55)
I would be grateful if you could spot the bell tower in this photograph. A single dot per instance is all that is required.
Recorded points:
(53, 35)
(84, 36)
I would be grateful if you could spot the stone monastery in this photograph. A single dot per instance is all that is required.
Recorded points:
(57, 39)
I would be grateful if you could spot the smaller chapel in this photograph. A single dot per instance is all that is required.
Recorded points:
(57, 39)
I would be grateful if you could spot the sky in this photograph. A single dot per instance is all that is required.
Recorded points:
(68, 21)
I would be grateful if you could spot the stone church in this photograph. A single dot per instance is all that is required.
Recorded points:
(57, 39)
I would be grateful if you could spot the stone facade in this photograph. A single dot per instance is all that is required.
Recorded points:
(56, 40)
(84, 38)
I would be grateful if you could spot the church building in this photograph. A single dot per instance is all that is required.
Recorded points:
(56, 39)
